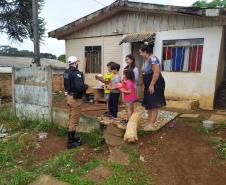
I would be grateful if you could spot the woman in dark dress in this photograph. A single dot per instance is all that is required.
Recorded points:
(154, 85)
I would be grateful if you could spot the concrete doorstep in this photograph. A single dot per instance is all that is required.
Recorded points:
(189, 116)
(218, 118)
(183, 104)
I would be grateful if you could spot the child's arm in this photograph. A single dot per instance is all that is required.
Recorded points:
(128, 91)
(101, 79)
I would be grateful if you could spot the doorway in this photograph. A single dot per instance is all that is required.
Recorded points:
(139, 63)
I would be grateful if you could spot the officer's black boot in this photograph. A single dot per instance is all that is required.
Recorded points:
(75, 137)
(73, 141)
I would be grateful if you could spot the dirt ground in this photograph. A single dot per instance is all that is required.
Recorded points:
(173, 156)
(50, 147)
(54, 145)
(181, 156)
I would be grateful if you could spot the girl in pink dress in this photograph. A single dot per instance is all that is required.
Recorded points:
(129, 92)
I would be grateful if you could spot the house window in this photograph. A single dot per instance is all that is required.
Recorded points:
(93, 59)
(182, 55)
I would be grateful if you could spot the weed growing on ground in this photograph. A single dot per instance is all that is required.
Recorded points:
(133, 153)
(152, 142)
(122, 175)
(64, 167)
(220, 146)
(8, 114)
(204, 130)
(142, 133)
(61, 131)
(94, 139)
(22, 177)
(221, 150)
(9, 151)
(215, 140)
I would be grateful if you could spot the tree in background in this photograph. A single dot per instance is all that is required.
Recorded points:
(62, 58)
(16, 19)
(10, 51)
(211, 4)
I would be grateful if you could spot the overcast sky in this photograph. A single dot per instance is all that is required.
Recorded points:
(60, 12)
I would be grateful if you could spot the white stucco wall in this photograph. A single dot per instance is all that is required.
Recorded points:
(201, 85)
(111, 51)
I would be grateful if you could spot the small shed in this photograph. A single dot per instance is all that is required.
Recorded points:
(190, 43)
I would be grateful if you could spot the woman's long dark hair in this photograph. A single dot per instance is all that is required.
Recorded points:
(129, 74)
(146, 48)
(132, 65)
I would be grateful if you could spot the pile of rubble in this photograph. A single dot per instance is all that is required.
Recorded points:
(3, 131)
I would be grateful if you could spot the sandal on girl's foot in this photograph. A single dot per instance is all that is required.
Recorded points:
(149, 127)
(124, 122)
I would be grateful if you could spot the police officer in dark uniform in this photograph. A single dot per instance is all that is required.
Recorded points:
(75, 88)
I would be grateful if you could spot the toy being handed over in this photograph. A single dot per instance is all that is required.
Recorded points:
(120, 85)
(100, 78)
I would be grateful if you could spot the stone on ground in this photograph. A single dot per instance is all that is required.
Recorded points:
(189, 116)
(47, 180)
(118, 156)
(218, 118)
(98, 174)
(114, 131)
(88, 124)
(113, 136)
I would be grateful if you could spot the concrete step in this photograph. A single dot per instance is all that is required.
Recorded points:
(183, 104)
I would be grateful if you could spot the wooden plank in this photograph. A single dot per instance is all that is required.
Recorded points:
(164, 25)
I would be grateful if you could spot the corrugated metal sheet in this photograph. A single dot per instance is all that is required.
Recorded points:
(139, 37)
(27, 62)
(5, 69)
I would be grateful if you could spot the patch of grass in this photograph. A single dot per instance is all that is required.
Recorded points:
(204, 130)
(65, 168)
(8, 114)
(152, 142)
(94, 139)
(214, 140)
(74, 179)
(61, 131)
(38, 125)
(93, 163)
(62, 163)
(221, 150)
(142, 133)
(22, 177)
(131, 176)
(133, 153)
(9, 152)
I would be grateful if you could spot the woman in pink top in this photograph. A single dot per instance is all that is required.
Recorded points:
(129, 92)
